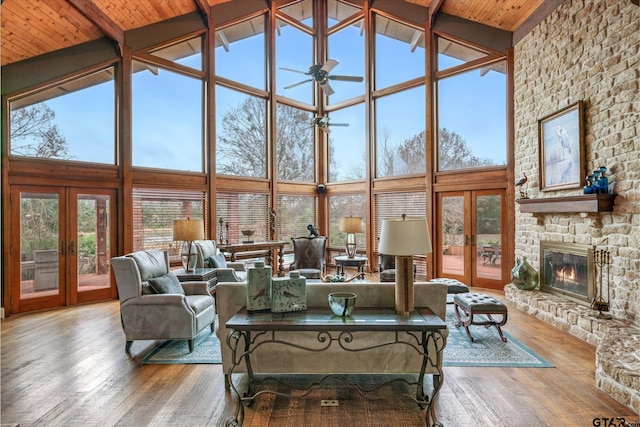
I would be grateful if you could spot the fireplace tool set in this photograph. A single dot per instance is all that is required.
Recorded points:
(602, 261)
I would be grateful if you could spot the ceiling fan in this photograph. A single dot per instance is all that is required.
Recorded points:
(323, 123)
(320, 74)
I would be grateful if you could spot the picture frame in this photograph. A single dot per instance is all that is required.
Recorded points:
(561, 148)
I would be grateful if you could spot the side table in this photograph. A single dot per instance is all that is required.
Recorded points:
(199, 275)
(343, 261)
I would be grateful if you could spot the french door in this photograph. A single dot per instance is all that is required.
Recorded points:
(471, 228)
(61, 241)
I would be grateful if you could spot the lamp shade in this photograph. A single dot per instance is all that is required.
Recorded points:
(351, 224)
(404, 237)
(188, 229)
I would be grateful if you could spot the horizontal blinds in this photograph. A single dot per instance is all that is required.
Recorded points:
(294, 214)
(343, 206)
(154, 211)
(242, 211)
(393, 205)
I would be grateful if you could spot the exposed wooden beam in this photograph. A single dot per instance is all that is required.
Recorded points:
(205, 9)
(534, 19)
(89, 10)
(434, 6)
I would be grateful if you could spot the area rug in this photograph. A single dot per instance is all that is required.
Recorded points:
(488, 349)
(206, 350)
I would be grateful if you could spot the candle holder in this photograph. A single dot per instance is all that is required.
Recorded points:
(220, 230)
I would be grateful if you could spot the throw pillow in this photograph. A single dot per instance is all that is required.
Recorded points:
(217, 261)
(167, 284)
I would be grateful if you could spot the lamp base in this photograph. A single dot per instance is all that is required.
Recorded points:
(350, 245)
(404, 285)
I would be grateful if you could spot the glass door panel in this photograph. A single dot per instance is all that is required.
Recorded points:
(488, 236)
(90, 238)
(452, 235)
(40, 244)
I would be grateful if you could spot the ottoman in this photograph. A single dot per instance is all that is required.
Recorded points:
(468, 305)
(453, 286)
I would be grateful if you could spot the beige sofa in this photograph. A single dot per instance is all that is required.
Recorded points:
(231, 297)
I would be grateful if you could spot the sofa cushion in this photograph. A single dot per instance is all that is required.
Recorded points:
(217, 261)
(166, 284)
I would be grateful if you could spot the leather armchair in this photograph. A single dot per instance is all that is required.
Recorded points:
(147, 315)
(309, 256)
(233, 272)
(388, 268)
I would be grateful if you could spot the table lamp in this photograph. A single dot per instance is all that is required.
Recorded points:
(351, 225)
(188, 230)
(404, 238)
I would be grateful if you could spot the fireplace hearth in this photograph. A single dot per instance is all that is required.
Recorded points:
(567, 270)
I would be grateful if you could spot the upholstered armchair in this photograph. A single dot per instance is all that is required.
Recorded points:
(154, 305)
(388, 268)
(207, 255)
(309, 256)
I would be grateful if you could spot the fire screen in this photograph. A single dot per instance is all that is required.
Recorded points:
(566, 269)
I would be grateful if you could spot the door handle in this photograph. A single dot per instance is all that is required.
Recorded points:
(73, 247)
(466, 240)
(473, 240)
(63, 249)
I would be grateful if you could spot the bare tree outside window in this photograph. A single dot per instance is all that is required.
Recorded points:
(34, 134)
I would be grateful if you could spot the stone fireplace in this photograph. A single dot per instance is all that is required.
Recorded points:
(567, 270)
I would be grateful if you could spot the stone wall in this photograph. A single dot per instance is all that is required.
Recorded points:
(586, 50)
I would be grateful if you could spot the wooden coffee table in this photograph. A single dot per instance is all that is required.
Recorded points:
(425, 328)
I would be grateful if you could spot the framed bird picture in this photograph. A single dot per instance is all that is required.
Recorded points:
(561, 148)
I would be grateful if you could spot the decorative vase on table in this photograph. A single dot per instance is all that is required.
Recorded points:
(524, 276)
(289, 293)
(259, 286)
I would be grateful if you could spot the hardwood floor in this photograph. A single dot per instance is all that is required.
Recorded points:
(68, 367)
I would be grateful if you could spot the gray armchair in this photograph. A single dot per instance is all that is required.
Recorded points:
(309, 256)
(181, 311)
(229, 272)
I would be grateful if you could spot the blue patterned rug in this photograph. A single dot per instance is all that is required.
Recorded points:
(488, 349)
(206, 349)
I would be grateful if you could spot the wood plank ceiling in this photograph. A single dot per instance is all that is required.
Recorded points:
(35, 27)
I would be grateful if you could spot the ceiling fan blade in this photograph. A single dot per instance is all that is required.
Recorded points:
(298, 84)
(295, 71)
(347, 78)
(325, 129)
(329, 65)
(326, 88)
(337, 124)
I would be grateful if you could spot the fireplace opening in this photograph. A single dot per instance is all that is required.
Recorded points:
(567, 269)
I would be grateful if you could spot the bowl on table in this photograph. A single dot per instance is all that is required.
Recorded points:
(342, 303)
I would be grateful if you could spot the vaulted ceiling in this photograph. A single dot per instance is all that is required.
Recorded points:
(35, 27)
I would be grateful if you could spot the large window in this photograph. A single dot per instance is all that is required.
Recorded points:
(294, 144)
(472, 109)
(400, 53)
(240, 52)
(346, 133)
(167, 119)
(154, 211)
(294, 56)
(73, 120)
(241, 134)
(400, 133)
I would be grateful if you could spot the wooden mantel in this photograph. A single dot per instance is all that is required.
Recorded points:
(576, 204)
